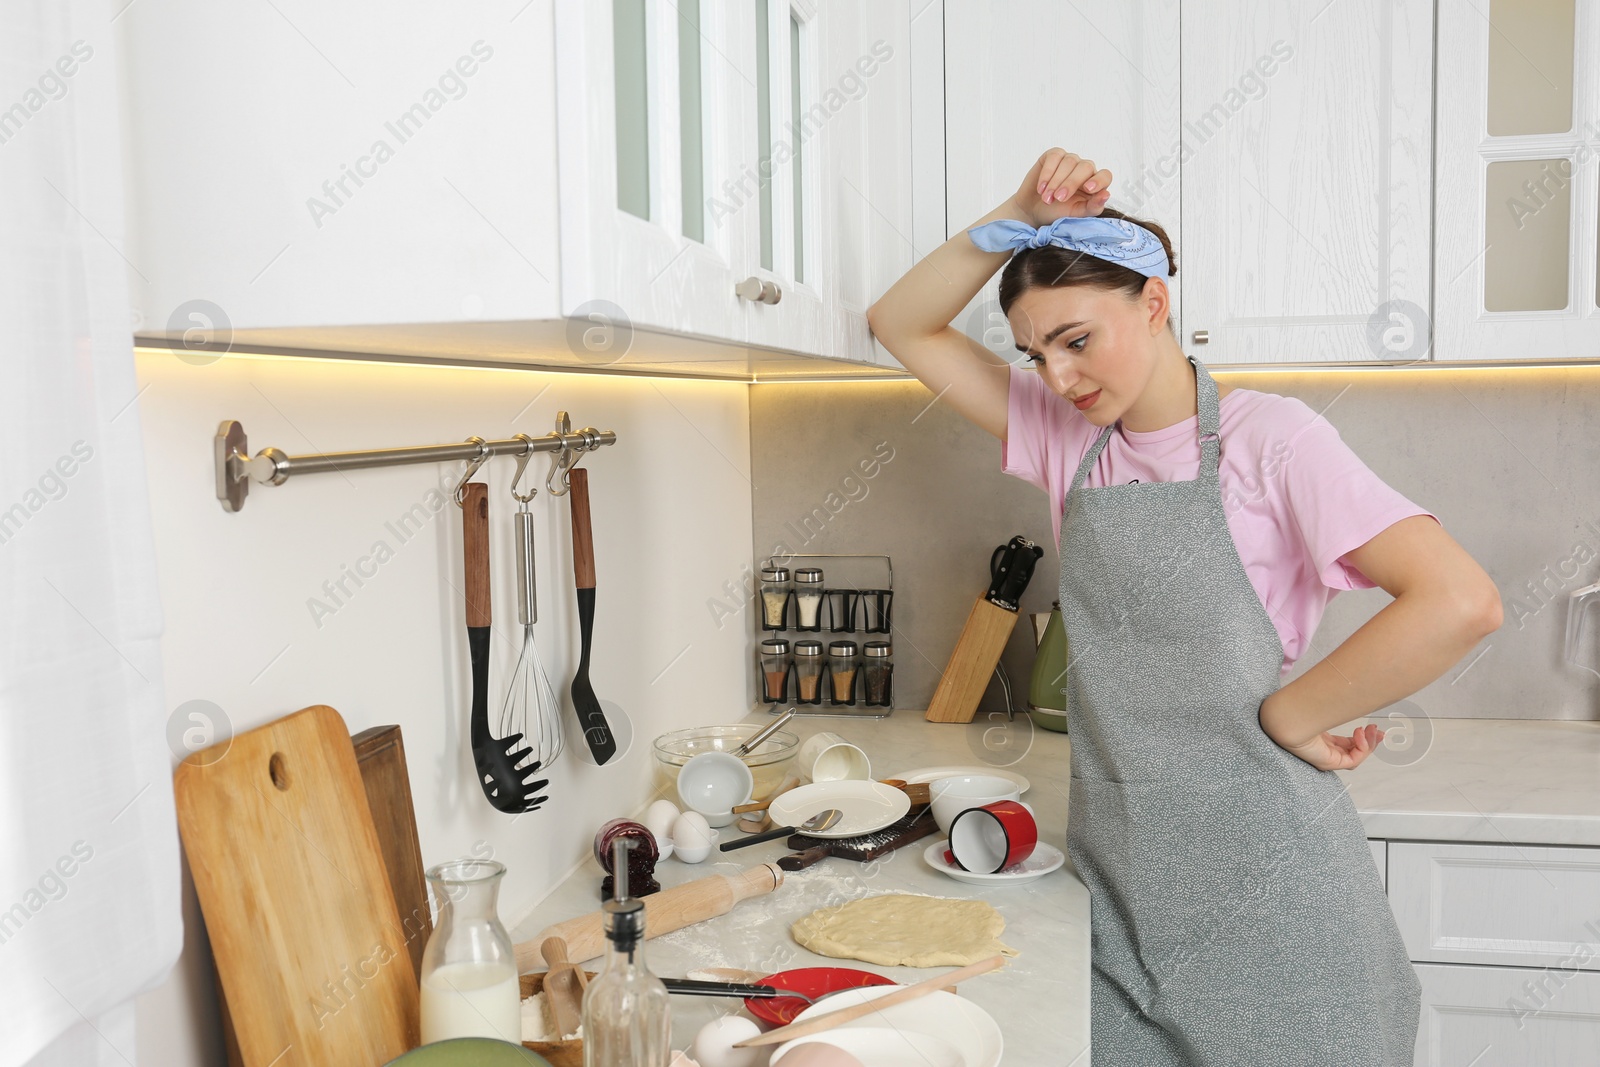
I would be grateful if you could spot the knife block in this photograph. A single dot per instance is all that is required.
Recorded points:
(972, 663)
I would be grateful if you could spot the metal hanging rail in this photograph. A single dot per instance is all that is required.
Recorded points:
(236, 468)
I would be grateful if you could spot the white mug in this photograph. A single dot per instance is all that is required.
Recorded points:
(827, 757)
(951, 796)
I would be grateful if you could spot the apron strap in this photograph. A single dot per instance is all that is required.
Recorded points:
(1207, 430)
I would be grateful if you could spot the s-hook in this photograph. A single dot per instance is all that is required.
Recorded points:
(472, 468)
(522, 466)
(565, 458)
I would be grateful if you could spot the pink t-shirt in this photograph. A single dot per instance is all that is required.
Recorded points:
(1295, 496)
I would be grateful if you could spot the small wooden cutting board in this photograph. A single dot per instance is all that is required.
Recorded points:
(309, 946)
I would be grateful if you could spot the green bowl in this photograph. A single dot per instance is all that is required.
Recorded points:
(470, 1052)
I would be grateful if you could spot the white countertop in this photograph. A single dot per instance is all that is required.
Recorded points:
(1489, 780)
(1495, 781)
(1041, 997)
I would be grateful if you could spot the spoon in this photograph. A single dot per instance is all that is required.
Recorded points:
(822, 820)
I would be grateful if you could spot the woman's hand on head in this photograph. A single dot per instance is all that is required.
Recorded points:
(1062, 184)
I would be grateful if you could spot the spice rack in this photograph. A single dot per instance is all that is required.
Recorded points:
(825, 645)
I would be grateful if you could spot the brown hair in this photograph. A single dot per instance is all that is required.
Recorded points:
(1054, 267)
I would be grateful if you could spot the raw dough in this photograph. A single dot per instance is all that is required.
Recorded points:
(903, 930)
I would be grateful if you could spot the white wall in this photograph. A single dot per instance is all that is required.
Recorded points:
(671, 507)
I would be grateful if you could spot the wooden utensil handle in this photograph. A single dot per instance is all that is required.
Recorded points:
(666, 911)
(582, 534)
(834, 1018)
(475, 538)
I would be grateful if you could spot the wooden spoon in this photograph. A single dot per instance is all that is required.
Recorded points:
(829, 1020)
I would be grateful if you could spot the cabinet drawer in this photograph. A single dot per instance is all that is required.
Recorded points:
(1518, 905)
(1380, 856)
(1507, 1017)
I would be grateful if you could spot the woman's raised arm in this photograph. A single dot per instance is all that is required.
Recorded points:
(913, 319)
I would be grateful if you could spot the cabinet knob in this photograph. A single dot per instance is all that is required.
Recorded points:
(1201, 336)
(763, 292)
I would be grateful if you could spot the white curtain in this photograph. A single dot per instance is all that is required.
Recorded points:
(89, 870)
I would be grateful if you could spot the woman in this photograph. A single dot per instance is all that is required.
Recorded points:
(1236, 914)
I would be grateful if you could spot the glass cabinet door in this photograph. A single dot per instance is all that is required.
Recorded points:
(1518, 197)
(648, 96)
(783, 306)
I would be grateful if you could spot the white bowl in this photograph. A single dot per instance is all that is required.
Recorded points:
(951, 796)
(954, 1018)
(882, 1046)
(714, 783)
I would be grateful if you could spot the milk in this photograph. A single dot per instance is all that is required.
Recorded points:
(472, 1000)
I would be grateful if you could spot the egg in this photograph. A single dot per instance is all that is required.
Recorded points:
(692, 837)
(713, 1045)
(660, 818)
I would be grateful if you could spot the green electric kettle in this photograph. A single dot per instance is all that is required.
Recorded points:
(1047, 699)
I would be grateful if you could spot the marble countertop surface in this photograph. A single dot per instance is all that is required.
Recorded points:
(1040, 999)
(1494, 781)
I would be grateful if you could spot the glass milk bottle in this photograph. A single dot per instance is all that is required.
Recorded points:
(469, 969)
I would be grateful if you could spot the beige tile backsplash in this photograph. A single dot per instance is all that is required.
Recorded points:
(1508, 460)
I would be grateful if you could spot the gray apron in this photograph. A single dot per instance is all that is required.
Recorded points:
(1237, 917)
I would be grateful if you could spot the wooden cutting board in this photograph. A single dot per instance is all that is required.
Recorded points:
(310, 950)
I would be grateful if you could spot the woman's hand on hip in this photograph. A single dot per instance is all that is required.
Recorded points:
(1062, 184)
(1326, 751)
(1330, 752)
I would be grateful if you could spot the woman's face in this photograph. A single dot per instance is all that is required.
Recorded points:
(1088, 344)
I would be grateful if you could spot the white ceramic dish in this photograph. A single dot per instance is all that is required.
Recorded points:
(1045, 860)
(866, 806)
(881, 1046)
(951, 796)
(929, 774)
(713, 784)
(973, 1031)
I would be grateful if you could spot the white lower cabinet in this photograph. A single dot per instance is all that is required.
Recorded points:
(1508, 1017)
(1506, 942)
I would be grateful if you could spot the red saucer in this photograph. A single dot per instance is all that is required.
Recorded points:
(813, 982)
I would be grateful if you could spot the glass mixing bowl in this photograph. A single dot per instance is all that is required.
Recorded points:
(769, 763)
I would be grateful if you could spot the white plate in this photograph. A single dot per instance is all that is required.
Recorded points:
(1044, 860)
(881, 1046)
(929, 774)
(973, 1031)
(866, 806)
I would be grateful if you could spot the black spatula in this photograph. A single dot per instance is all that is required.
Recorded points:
(596, 731)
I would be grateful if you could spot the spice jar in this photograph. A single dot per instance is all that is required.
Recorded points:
(842, 671)
(808, 598)
(774, 598)
(808, 671)
(877, 671)
(775, 665)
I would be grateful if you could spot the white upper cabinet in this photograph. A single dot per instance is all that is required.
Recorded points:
(651, 110)
(862, 113)
(1519, 186)
(649, 185)
(1306, 136)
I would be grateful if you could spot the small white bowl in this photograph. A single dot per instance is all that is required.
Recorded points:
(714, 783)
(951, 796)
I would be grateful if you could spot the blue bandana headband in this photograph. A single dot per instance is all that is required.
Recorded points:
(1115, 240)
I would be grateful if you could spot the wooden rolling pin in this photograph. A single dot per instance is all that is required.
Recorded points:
(666, 911)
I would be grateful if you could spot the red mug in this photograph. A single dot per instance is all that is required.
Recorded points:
(990, 838)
